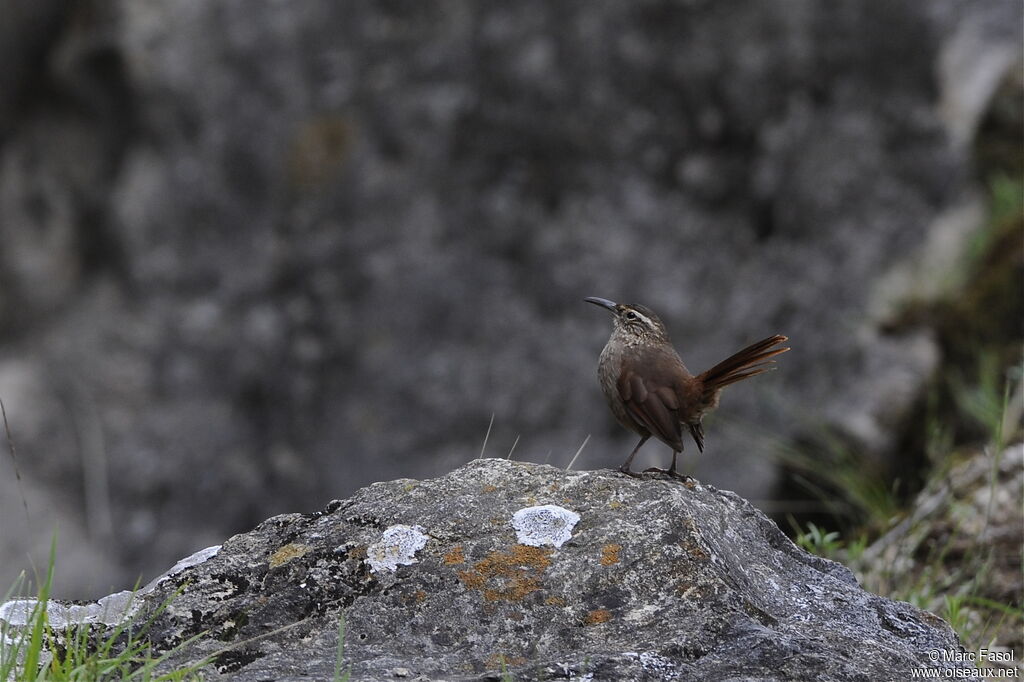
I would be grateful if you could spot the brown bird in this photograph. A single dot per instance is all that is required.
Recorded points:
(649, 389)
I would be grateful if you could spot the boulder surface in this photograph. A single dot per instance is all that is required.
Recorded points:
(542, 573)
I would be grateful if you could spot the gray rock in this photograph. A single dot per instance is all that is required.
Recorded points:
(28, 28)
(658, 581)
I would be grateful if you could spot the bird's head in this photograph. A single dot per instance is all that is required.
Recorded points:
(633, 321)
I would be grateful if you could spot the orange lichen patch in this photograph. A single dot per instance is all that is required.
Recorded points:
(515, 589)
(454, 556)
(597, 616)
(537, 558)
(417, 597)
(508, 576)
(287, 553)
(472, 580)
(496, 661)
(555, 601)
(610, 554)
(694, 549)
(489, 488)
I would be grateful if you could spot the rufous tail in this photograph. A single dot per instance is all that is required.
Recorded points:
(749, 362)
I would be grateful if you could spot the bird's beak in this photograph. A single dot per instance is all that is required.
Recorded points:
(603, 302)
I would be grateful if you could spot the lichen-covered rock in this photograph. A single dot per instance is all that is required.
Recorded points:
(397, 547)
(656, 581)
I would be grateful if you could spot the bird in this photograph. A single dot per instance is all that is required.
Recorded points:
(649, 389)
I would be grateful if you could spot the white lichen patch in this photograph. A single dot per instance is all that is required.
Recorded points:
(18, 611)
(110, 610)
(113, 609)
(189, 561)
(547, 524)
(396, 547)
(642, 614)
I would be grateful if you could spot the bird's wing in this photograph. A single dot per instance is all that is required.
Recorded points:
(654, 407)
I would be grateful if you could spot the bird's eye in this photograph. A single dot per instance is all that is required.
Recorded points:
(631, 315)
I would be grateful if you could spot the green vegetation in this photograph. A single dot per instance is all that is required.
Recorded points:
(341, 673)
(39, 652)
(937, 555)
(945, 540)
(818, 541)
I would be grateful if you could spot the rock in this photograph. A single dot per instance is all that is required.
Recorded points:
(964, 531)
(656, 581)
(24, 34)
(275, 243)
(112, 609)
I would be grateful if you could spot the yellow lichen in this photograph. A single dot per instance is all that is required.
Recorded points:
(287, 553)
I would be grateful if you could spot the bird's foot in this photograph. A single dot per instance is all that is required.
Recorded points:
(672, 473)
(626, 470)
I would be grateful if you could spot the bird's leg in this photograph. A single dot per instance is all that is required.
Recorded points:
(625, 465)
(671, 471)
(675, 474)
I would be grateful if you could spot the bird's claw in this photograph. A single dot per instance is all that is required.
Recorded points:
(672, 473)
(633, 474)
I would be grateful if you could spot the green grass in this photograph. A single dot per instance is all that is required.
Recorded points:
(1005, 205)
(341, 673)
(852, 489)
(931, 561)
(818, 541)
(39, 652)
(974, 408)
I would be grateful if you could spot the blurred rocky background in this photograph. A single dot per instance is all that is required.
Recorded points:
(254, 255)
